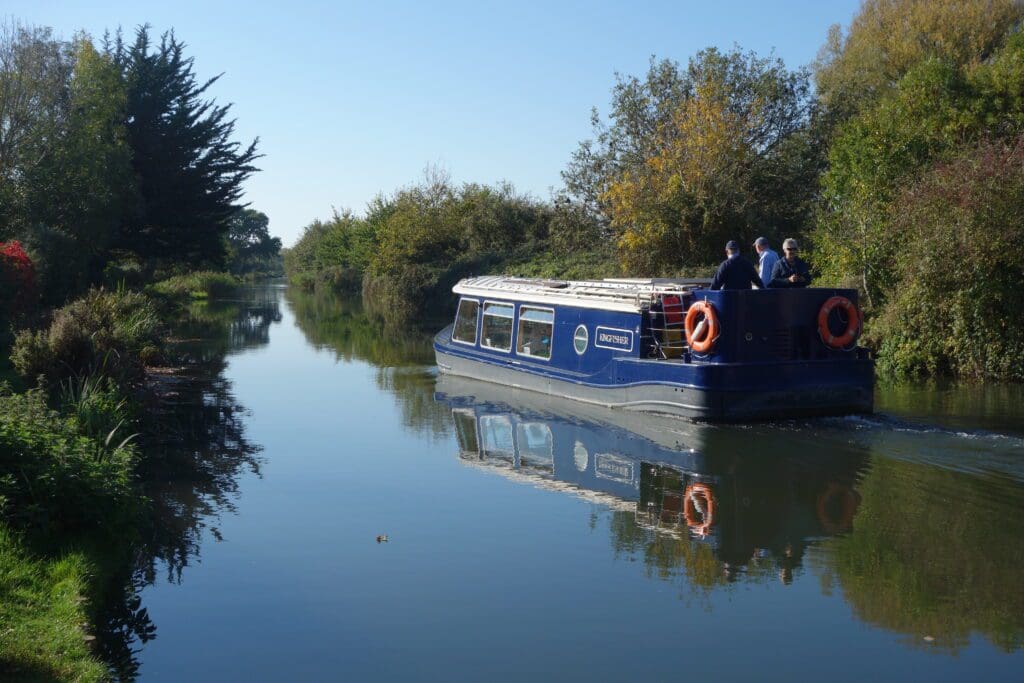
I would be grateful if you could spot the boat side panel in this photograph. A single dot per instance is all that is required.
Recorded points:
(776, 399)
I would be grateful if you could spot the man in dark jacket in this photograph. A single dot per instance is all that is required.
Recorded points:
(791, 271)
(735, 272)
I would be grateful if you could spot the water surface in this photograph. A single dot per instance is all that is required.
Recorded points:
(538, 537)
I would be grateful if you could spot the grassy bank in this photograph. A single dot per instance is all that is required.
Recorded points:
(44, 633)
(73, 458)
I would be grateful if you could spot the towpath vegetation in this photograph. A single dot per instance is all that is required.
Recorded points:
(896, 159)
(118, 180)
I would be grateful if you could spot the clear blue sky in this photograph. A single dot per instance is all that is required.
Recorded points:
(351, 99)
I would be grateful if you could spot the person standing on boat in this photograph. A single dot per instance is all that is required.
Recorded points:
(767, 258)
(792, 271)
(735, 272)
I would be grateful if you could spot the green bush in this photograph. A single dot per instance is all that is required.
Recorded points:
(54, 476)
(413, 245)
(205, 284)
(101, 332)
(958, 307)
(932, 114)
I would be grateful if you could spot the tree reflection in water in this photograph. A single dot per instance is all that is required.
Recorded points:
(196, 450)
(929, 552)
(403, 355)
(936, 554)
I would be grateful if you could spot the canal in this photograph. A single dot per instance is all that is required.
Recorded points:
(536, 537)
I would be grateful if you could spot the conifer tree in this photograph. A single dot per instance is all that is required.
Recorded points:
(188, 169)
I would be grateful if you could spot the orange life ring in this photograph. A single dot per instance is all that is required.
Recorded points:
(852, 322)
(848, 504)
(701, 525)
(701, 338)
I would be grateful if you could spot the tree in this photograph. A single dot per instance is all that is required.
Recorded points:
(249, 241)
(957, 306)
(34, 73)
(694, 158)
(887, 38)
(189, 171)
(934, 112)
(66, 177)
(82, 181)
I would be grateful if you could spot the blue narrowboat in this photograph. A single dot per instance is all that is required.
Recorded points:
(664, 345)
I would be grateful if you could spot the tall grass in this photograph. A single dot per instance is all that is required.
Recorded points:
(205, 284)
(101, 411)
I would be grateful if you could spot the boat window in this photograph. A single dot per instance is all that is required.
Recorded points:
(535, 443)
(496, 332)
(465, 431)
(496, 437)
(580, 339)
(465, 322)
(580, 457)
(536, 325)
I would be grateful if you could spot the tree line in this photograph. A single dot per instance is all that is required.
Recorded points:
(115, 163)
(895, 157)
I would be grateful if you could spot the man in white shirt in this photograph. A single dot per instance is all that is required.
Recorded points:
(767, 258)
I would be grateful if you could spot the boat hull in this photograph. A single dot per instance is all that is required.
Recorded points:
(736, 393)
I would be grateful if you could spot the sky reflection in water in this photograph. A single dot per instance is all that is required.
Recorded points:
(531, 536)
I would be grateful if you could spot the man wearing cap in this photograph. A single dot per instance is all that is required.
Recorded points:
(767, 258)
(735, 272)
(791, 271)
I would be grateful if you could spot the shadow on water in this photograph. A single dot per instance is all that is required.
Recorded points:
(194, 457)
(930, 552)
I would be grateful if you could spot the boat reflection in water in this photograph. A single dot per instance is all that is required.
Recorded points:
(756, 497)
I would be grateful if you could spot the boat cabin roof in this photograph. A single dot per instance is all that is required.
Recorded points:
(627, 295)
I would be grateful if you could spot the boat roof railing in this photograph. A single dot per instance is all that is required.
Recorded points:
(615, 294)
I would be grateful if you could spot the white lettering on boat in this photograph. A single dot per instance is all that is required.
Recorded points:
(614, 338)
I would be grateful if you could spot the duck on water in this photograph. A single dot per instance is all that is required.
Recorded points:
(664, 345)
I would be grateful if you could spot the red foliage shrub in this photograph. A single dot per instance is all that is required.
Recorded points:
(17, 280)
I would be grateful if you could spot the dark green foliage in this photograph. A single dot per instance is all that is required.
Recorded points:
(82, 182)
(35, 69)
(65, 167)
(336, 252)
(108, 154)
(54, 476)
(61, 263)
(251, 249)
(189, 171)
(102, 332)
(415, 244)
(958, 305)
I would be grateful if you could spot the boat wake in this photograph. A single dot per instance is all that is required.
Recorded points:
(977, 452)
(893, 423)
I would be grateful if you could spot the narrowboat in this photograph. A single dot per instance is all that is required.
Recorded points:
(664, 345)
